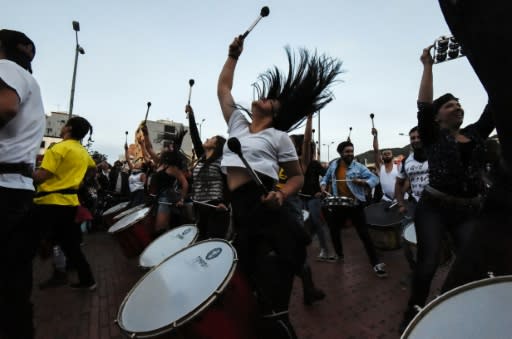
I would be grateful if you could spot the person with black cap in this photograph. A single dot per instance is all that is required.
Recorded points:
(452, 199)
(22, 123)
(348, 180)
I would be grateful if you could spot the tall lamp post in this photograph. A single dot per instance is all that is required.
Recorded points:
(328, 150)
(78, 49)
(200, 124)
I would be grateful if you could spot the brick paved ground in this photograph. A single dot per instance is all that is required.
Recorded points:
(358, 304)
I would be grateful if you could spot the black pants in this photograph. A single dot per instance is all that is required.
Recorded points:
(336, 217)
(433, 219)
(18, 244)
(271, 250)
(58, 225)
(211, 222)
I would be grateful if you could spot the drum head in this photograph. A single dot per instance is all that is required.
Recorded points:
(116, 208)
(167, 244)
(128, 211)
(178, 289)
(479, 309)
(129, 220)
(410, 234)
(379, 214)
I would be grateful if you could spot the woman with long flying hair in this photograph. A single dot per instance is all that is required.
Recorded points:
(271, 247)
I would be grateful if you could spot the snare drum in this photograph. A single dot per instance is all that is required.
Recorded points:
(409, 236)
(338, 201)
(384, 225)
(126, 212)
(480, 309)
(108, 215)
(134, 232)
(195, 293)
(167, 244)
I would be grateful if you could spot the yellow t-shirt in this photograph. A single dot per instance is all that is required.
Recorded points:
(68, 161)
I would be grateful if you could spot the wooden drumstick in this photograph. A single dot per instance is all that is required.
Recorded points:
(191, 83)
(126, 137)
(349, 133)
(371, 117)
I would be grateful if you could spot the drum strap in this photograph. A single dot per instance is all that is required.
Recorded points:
(16, 168)
(62, 191)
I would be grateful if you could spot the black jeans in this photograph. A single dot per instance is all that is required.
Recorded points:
(432, 220)
(18, 244)
(211, 222)
(271, 248)
(57, 223)
(336, 217)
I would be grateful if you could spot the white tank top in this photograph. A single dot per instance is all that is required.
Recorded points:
(134, 181)
(387, 182)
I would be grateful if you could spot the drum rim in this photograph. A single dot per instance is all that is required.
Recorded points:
(124, 202)
(131, 209)
(192, 314)
(130, 224)
(403, 234)
(458, 290)
(182, 226)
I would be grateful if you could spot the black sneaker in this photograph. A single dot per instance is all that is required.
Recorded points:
(82, 286)
(56, 280)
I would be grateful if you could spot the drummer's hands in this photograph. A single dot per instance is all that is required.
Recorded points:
(236, 47)
(274, 199)
(374, 132)
(144, 130)
(221, 207)
(319, 194)
(359, 182)
(426, 57)
(402, 209)
(179, 203)
(189, 110)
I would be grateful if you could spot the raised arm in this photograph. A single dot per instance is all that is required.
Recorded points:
(127, 157)
(148, 145)
(194, 133)
(225, 83)
(426, 92)
(306, 156)
(376, 150)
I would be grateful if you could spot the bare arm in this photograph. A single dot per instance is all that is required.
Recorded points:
(426, 92)
(376, 151)
(41, 175)
(401, 186)
(306, 145)
(225, 83)
(9, 103)
(127, 157)
(148, 145)
(178, 174)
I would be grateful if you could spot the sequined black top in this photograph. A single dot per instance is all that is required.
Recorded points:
(455, 168)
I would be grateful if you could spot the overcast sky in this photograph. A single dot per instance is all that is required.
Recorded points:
(140, 51)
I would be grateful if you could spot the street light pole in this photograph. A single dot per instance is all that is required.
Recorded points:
(200, 127)
(78, 49)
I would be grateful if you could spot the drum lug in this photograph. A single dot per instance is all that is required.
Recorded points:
(133, 335)
(417, 308)
(490, 274)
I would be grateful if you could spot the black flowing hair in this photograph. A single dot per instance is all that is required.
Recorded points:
(79, 128)
(217, 152)
(303, 91)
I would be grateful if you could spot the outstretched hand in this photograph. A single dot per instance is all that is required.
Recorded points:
(189, 110)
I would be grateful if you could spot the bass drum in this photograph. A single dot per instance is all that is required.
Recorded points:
(410, 247)
(196, 293)
(134, 232)
(167, 244)
(480, 309)
(108, 215)
(384, 225)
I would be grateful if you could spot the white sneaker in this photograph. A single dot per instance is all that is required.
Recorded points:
(322, 256)
(380, 271)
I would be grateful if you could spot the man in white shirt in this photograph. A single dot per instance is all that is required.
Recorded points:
(22, 123)
(386, 169)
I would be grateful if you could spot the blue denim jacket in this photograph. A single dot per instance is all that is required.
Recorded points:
(354, 171)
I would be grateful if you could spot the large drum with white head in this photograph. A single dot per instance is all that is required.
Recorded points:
(481, 309)
(195, 293)
(134, 232)
(109, 214)
(167, 244)
(124, 213)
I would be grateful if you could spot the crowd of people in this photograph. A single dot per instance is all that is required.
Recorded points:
(254, 195)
